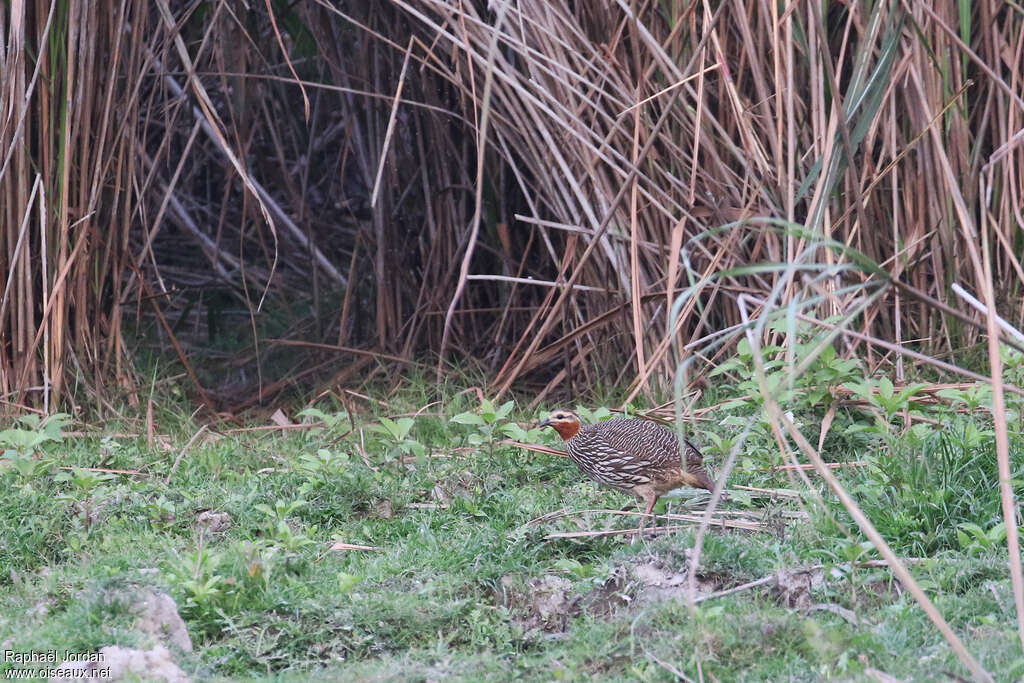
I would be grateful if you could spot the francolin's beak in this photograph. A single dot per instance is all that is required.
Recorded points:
(544, 423)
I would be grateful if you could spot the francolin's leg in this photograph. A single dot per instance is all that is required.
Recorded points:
(651, 498)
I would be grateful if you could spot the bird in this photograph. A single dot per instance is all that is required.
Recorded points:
(635, 456)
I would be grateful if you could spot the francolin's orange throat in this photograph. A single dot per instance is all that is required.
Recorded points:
(634, 456)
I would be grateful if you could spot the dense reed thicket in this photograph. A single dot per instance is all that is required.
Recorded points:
(526, 185)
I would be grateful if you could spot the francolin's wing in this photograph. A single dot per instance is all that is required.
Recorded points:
(604, 453)
(625, 453)
(655, 444)
(657, 448)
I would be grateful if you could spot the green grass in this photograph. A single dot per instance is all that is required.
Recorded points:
(455, 588)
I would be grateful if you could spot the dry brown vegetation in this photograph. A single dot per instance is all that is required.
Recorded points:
(165, 159)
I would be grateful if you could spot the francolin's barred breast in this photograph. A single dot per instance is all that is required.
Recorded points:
(633, 456)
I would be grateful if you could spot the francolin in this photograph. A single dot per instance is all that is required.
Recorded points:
(634, 456)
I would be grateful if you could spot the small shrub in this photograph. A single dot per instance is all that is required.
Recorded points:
(489, 420)
(21, 445)
(396, 436)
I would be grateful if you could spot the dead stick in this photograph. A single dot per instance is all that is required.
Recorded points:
(181, 454)
(768, 579)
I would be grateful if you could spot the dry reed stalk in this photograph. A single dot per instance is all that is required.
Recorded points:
(720, 523)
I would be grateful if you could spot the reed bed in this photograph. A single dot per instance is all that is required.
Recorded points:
(613, 141)
(525, 188)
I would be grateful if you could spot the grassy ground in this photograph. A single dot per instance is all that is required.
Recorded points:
(461, 585)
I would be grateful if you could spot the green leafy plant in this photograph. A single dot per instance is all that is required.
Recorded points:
(813, 390)
(89, 493)
(333, 422)
(847, 555)
(34, 432)
(288, 539)
(513, 431)
(84, 482)
(281, 509)
(723, 445)
(396, 434)
(976, 541)
(885, 403)
(972, 397)
(492, 422)
(206, 590)
(827, 372)
(487, 419)
(21, 445)
(1013, 365)
(279, 533)
(576, 568)
(596, 415)
(161, 513)
(346, 582)
(29, 468)
(742, 367)
(321, 469)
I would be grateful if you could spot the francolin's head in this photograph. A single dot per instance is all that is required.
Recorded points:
(565, 423)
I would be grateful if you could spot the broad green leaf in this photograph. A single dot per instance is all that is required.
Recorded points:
(405, 425)
(468, 419)
(505, 409)
(885, 388)
(346, 582)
